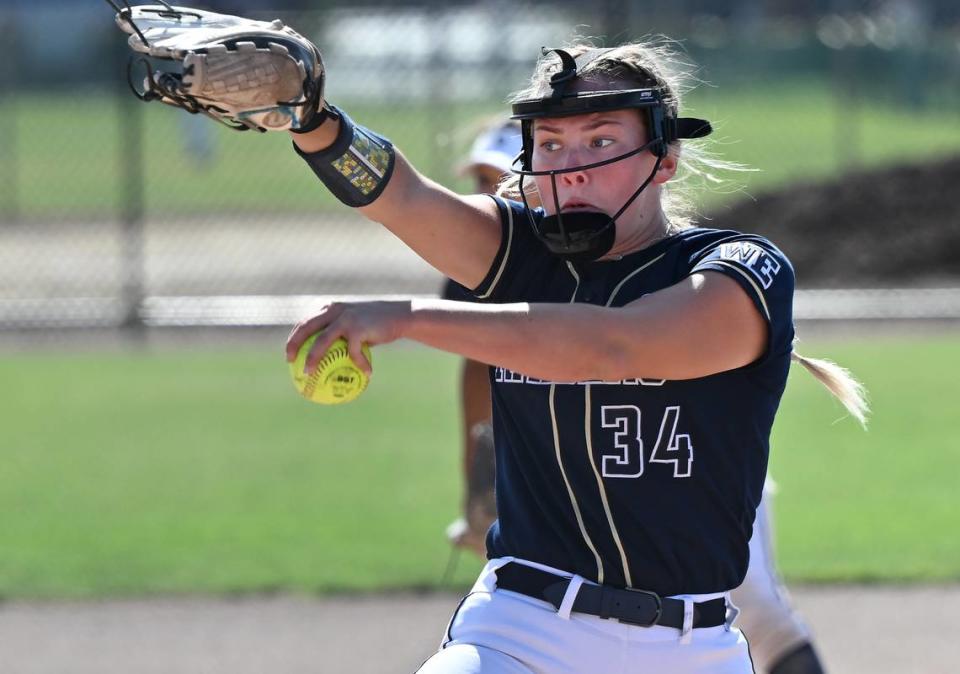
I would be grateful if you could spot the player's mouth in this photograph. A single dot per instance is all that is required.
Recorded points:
(571, 205)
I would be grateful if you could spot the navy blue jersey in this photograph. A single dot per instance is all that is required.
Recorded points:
(454, 291)
(640, 483)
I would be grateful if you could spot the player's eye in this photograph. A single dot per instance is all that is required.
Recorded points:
(550, 145)
(601, 142)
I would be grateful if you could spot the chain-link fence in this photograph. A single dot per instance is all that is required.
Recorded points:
(110, 208)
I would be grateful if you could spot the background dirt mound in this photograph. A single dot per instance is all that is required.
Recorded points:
(894, 227)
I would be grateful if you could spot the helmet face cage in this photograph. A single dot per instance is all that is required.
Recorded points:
(581, 235)
(585, 235)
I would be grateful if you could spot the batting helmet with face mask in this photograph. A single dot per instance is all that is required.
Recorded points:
(587, 235)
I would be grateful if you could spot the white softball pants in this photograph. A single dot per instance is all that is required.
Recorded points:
(503, 632)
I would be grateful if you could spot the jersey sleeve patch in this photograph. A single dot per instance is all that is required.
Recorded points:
(765, 275)
(762, 264)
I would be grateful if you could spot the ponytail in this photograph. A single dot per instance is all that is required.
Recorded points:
(840, 383)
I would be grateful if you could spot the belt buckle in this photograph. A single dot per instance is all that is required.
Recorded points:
(658, 602)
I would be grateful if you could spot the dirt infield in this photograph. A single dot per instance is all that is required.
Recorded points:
(880, 228)
(879, 630)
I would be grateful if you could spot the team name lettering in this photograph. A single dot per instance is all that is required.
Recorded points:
(760, 262)
(504, 376)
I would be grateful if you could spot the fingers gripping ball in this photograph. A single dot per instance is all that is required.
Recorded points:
(337, 378)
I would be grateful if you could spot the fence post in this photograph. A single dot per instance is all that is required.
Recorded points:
(847, 107)
(130, 112)
(9, 165)
(611, 25)
(441, 109)
(846, 93)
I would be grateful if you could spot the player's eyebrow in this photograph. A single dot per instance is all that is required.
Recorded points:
(589, 126)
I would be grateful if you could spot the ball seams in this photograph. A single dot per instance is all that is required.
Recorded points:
(329, 358)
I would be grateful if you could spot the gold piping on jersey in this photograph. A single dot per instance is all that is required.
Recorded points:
(587, 418)
(556, 448)
(603, 491)
(586, 428)
(763, 300)
(630, 276)
(573, 499)
(506, 252)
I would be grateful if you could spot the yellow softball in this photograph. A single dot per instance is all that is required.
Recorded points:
(337, 378)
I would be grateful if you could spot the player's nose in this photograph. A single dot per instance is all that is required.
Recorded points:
(574, 178)
(574, 159)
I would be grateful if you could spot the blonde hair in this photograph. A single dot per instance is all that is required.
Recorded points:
(653, 62)
(840, 383)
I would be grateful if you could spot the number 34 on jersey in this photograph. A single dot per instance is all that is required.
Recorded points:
(626, 454)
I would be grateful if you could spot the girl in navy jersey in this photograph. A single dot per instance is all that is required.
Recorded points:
(637, 363)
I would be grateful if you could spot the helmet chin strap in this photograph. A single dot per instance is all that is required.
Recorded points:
(581, 236)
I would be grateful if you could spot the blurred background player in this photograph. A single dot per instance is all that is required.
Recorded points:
(780, 642)
(490, 159)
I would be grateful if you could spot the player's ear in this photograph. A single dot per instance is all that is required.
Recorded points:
(668, 168)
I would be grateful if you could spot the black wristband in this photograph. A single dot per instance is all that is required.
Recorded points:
(356, 166)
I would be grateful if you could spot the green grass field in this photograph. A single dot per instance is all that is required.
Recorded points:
(201, 471)
(787, 130)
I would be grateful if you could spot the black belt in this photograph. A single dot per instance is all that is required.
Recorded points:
(636, 607)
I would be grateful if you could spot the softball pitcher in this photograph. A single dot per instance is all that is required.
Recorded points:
(637, 365)
(780, 642)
